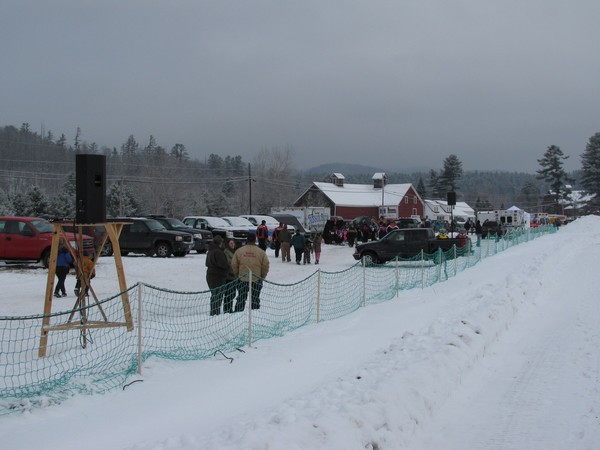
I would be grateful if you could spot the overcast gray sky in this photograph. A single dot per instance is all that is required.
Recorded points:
(394, 84)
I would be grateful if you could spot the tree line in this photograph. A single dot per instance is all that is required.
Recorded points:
(38, 178)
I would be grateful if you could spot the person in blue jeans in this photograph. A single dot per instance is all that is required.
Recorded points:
(63, 266)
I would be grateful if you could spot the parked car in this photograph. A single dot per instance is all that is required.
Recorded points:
(97, 233)
(202, 238)
(218, 226)
(406, 243)
(30, 239)
(242, 222)
(408, 222)
(150, 237)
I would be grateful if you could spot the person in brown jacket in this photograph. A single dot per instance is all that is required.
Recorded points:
(246, 259)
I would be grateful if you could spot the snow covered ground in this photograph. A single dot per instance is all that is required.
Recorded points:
(503, 356)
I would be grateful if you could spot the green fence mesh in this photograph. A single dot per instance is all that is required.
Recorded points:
(178, 325)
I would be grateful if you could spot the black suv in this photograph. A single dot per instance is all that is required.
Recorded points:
(150, 237)
(408, 222)
(202, 238)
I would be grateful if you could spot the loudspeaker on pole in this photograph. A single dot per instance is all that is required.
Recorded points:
(451, 198)
(90, 184)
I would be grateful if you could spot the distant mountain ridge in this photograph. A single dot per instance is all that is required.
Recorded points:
(343, 168)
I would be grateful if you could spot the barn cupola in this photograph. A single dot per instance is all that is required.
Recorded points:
(337, 179)
(379, 180)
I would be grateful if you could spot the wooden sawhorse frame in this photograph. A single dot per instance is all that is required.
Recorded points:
(113, 231)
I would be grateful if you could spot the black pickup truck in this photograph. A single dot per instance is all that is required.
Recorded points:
(406, 243)
(149, 237)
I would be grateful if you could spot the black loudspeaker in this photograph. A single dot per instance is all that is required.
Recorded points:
(90, 185)
(451, 198)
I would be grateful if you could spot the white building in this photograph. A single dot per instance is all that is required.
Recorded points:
(439, 210)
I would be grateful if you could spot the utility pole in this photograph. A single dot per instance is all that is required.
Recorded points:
(249, 190)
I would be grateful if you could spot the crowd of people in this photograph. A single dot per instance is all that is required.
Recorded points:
(231, 272)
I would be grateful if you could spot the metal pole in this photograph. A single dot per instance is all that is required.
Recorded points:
(249, 190)
(249, 303)
(455, 262)
(140, 288)
(422, 269)
(397, 279)
(318, 295)
(364, 283)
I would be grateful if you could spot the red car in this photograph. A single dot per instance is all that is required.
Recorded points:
(30, 239)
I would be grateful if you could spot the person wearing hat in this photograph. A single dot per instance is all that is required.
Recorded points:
(262, 234)
(249, 259)
(285, 239)
(217, 269)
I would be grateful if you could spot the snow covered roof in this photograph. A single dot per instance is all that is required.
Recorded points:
(363, 194)
(460, 209)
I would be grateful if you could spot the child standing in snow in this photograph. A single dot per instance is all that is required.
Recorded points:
(316, 245)
(308, 249)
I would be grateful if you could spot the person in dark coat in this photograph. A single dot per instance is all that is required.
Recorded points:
(217, 269)
(308, 249)
(478, 232)
(275, 239)
(232, 283)
(298, 242)
(284, 236)
(351, 235)
(63, 265)
(262, 235)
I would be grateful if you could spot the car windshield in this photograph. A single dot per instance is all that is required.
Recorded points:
(176, 223)
(270, 222)
(217, 222)
(239, 221)
(155, 225)
(43, 226)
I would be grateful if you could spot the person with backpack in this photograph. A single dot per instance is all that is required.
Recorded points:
(262, 235)
(298, 242)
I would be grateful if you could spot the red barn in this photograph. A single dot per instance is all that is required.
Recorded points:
(353, 200)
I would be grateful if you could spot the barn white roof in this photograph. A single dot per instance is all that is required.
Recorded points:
(363, 194)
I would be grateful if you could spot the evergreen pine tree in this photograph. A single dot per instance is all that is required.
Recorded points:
(63, 205)
(437, 190)
(552, 171)
(19, 203)
(120, 201)
(421, 190)
(5, 204)
(590, 165)
(451, 174)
